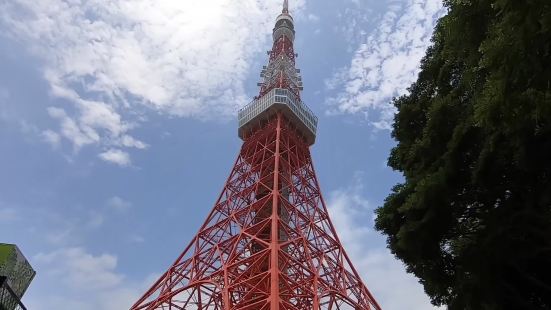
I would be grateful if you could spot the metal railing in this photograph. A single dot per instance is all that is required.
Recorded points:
(8, 299)
(279, 96)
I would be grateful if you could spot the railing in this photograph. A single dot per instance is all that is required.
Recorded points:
(279, 96)
(8, 298)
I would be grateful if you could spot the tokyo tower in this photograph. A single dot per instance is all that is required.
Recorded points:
(268, 243)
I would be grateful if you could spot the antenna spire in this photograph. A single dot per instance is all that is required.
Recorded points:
(285, 6)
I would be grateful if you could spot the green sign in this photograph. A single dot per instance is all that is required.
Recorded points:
(15, 268)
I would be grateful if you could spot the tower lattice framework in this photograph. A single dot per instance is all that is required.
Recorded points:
(268, 243)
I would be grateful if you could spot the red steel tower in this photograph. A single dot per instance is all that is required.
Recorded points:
(268, 243)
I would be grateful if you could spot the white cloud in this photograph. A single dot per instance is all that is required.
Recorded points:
(82, 280)
(354, 17)
(117, 157)
(113, 60)
(81, 270)
(118, 204)
(387, 63)
(51, 137)
(63, 235)
(67, 227)
(128, 141)
(385, 276)
(313, 18)
(70, 129)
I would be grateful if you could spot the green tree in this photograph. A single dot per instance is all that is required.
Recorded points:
(472, 219)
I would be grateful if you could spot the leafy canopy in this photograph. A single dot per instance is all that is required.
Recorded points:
(473, 218)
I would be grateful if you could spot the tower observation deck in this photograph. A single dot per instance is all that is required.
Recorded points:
(281, 86)
(268, 243)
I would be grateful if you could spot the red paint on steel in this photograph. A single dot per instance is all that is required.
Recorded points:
(268, 243)
(232, 263)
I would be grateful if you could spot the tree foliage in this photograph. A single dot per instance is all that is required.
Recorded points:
(473, 218)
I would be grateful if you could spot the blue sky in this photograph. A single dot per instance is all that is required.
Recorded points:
(118, 129)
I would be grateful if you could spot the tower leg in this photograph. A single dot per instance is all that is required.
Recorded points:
(268, 243)
(274, 261)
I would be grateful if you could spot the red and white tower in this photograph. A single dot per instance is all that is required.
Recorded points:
(268, 243)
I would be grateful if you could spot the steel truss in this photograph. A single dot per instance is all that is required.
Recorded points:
(268, 243)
